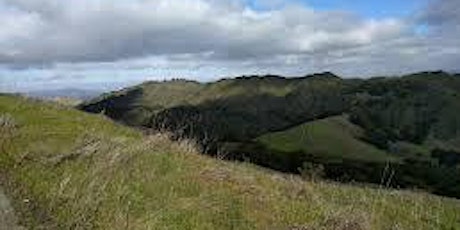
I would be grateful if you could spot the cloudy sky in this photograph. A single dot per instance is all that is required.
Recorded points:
(47, 44)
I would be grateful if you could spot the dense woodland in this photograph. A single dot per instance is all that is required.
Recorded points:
(409, 125)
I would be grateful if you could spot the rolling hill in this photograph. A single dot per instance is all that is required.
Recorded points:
(408, 124)
(65, 169)
(333, 137)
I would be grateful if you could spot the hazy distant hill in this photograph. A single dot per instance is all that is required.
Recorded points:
(73, 93)
(411, 121)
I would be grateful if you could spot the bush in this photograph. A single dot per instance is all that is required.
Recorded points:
(312, 171)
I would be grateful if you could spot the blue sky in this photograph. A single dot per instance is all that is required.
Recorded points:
(111, 44)
(364, 8)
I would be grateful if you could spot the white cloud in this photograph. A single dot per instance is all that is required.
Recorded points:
(89, 30)
(221, 37)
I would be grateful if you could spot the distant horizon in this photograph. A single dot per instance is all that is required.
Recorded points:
(101, 88)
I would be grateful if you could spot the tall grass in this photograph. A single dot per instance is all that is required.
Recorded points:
(69, 170)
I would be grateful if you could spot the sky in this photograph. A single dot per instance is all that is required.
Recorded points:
(108, 44)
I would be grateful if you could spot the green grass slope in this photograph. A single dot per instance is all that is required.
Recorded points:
(66, 169)
(413, 118)
(137, 105)
(333, 137)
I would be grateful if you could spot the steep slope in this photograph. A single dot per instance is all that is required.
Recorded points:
(66, 169)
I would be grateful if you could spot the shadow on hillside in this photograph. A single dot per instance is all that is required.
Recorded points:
(434, 177)
(217, 123)
(389, 110)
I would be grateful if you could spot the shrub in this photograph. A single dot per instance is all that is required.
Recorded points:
(312, 171)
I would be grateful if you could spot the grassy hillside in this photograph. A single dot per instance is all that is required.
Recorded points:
(412, 119)
(338, 138)
(333, 137)
(419, 108)
(335, 148)
(141, 105)
(66, 169)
